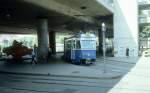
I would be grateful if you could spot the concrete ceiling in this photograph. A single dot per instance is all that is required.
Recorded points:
(16, 13)
(87, 7)
(60, 13)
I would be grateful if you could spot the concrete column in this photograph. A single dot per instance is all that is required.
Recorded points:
(100, 38)
(126, 27)
(52, 42)
(43, 39)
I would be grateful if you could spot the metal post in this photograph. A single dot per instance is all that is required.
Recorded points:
(104, 45)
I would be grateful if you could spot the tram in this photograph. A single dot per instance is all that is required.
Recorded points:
(80, 48)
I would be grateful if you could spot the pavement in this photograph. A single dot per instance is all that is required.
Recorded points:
(131, 60)
(62, 69)
(123, 75)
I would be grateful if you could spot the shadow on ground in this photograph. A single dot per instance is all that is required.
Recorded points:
(121, 66)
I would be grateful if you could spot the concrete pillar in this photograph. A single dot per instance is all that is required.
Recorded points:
(43, 39)
(125, 27)
(52, 42)
(100, 38)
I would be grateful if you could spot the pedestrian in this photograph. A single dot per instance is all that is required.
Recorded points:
(0, 52)
(127, 52)
(34, 55)
(49, 54)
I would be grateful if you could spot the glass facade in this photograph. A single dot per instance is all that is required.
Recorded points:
(144, 16)
(144, 1)
(144, 25)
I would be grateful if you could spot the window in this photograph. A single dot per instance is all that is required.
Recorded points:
(88, 44)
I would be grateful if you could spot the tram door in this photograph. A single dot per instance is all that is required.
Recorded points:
(73, 43)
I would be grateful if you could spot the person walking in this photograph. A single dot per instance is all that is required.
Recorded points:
(34, 55)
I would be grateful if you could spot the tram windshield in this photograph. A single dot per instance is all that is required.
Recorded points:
(88, 44)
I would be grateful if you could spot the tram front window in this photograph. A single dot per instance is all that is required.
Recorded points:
(88, 44)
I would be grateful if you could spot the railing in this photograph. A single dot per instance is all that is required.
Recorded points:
(144, 19)
(144, 12)
(142, 2)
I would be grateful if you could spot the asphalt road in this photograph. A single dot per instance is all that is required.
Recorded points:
(10, 83)
(135, 80)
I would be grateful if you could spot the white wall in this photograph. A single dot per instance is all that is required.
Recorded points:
(126, 27)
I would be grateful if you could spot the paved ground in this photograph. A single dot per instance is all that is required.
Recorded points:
(136, 80)
(68, 78)
(60, 68)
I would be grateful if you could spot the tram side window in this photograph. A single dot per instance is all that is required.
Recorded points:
(78, 46)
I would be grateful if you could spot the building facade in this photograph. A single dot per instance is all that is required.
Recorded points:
(144, 25)
(125, 27)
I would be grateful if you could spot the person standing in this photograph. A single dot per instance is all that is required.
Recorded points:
(0, 52)
(127, 52)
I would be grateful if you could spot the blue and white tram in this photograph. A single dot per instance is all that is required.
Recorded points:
(80, 48)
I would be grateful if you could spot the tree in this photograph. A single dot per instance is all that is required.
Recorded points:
(145, 32)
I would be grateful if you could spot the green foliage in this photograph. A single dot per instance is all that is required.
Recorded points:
(60, 37)
(145, 32)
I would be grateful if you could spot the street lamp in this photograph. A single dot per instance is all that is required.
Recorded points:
(104, 44)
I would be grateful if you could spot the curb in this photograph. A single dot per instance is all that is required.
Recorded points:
(120, 61)
(67, 76)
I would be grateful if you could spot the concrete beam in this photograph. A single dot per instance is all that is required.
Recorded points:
(60, 8)
(16, 30)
